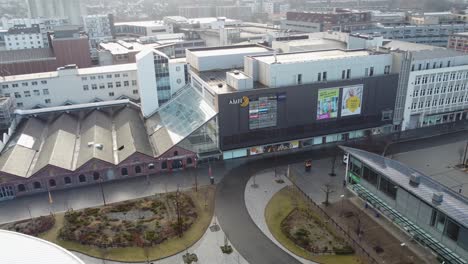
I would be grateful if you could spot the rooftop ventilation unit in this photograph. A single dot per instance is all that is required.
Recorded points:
(437, 197)
(236, 72)
(415, 179)
(90, 144)
(220, 85)
(99, 146)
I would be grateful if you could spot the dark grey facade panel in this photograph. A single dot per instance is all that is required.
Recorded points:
(297, 112)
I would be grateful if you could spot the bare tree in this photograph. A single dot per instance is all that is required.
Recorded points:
(327, 189)
(179, 217)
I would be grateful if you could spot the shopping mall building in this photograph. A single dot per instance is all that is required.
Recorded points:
(240, 101)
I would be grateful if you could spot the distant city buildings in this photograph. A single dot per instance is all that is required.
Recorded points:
(18, 38)
(99, 28)
(67, 46)
(142, 28)
(338, 20)
(71, 9)
(459, 42)
(45, 25)
(436, 35)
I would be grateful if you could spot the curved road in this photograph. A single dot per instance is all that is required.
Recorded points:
(232, 213)
(234, 218)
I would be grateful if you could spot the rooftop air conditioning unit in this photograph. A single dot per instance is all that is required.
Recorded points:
(437, 197)
(90, 144)
(415, 179)
(99, 146)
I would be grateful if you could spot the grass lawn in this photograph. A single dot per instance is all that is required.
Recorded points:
(278, 208)
(136, 254)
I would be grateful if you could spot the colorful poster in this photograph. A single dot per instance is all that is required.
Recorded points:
(327, 105)
(351, 100)
(256, 150)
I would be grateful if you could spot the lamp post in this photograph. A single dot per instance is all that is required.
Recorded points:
(402, 246)
(102, 192)
(342, 200)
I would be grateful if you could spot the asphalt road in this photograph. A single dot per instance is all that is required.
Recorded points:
(234, 218)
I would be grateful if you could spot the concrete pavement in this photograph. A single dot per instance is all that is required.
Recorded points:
(436, 158)
(115, 191)
(258, 192)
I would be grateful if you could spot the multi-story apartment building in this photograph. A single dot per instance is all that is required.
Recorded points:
(458, 42)
(142, 28)
(18, 38)
(100, 28)
(46, 25)
(432, 87)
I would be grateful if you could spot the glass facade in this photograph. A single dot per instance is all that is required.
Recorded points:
(161, 66)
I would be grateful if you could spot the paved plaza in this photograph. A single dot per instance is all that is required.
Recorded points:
(437, 158)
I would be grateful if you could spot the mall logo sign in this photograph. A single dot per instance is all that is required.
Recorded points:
(243, 102)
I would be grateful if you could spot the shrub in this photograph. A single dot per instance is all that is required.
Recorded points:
(226, 249)
(345, 250)
(91, 212)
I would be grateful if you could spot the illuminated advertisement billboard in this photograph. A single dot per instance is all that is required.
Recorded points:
(274, 148)
(351, 100)
(263, 111)
(327, 105)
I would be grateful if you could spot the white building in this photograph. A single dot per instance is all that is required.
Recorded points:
(24, 38)
(159, 78)
(316, 66)
(99, 29)
(142, 28)
(433, 85)
(46, 25)
(156, 74)
(70, 85)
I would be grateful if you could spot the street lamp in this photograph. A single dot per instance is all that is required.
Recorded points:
(102, 191)
(342, 200)
(402, 246)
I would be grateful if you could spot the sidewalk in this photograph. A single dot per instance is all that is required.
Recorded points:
(256, 199)
(207, 249)
(114, 191)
